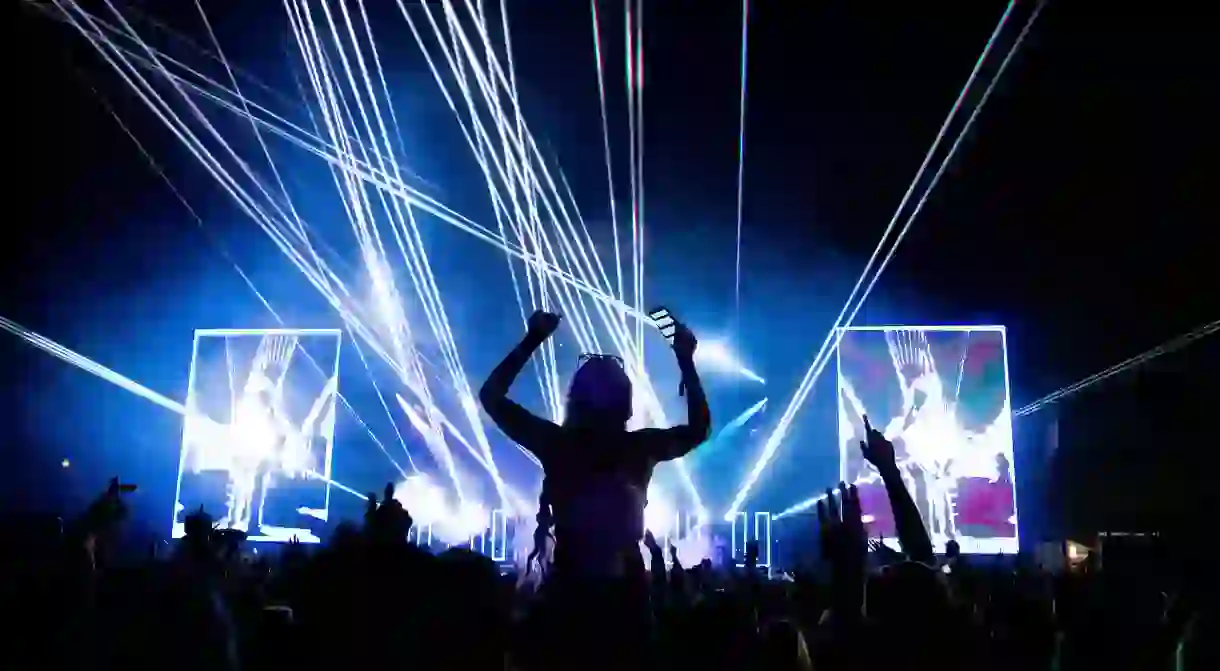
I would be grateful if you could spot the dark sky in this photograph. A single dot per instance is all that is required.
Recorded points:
(1075, 212)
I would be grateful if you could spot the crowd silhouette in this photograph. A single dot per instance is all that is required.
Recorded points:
(370, 599)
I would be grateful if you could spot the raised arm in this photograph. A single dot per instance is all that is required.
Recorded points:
(678, 441)
(523, 427)
(911, 533)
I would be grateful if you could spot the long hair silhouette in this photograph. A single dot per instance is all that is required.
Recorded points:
(600, 394)
(599, 398)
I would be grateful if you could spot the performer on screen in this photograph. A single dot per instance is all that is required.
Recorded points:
(255, 442)
(929, 430)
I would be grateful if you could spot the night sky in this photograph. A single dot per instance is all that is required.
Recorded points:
(1076, 212)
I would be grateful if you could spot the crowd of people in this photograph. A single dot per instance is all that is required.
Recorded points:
(371, 599)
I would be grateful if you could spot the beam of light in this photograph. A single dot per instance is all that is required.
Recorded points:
(303, 139)
(286, 230)
(523, 187)
(119, 380)
(292, 210)
(457, 434)
(718, 356)
(831, 343)
(545, 367)
(1167, 347)
(465, 397)
(532, 225)
(328, 80)
(580, 323)
(250, 283)
(741, 154)
(112, 64)
(283, 241)
(89, 366)
(635, 102)
(721, 438)
(238, 72)
(601, 95)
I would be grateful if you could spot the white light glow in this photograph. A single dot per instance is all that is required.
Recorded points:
(718, 356)
(259, 415)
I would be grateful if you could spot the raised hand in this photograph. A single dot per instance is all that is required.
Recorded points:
(542, 324)
(887, 554)
(845, 546)
(876, 448)
(650, 542)
(108, 509)
(685, 342)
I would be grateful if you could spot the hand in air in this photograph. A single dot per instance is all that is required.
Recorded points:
(842, 527)
(886, 554)
(845, 546)
(650, 542)
(877, 449)
(542, 324)
(108, 509)
(684, 341)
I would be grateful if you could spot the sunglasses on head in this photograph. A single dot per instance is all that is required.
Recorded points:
(601, 357)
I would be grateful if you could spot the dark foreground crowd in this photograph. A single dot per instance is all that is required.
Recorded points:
(369, 599)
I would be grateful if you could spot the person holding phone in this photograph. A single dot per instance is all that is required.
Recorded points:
(596, 471)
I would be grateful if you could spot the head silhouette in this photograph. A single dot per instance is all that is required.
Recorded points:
(600, 394)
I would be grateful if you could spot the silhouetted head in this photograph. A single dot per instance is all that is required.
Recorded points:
(952, 549)
(600, 394)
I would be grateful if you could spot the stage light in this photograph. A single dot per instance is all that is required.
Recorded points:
(659, 516)
(499, 535)
(717, 356)
(424, 500)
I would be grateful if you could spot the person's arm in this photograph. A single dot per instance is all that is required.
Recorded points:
(912, 535)
(520, 425)
(678, 441)
(656, 569)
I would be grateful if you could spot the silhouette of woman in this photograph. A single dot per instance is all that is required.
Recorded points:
(596, 472)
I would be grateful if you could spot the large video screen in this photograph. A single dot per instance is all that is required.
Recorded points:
(941, 395)
(258, 435)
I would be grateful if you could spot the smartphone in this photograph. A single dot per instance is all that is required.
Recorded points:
(664, 321)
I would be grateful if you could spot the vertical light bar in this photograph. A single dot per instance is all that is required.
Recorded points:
(477, 543)
(839, 335)
(186, 434)
(741, 521)
(762, 534)
(499, 532)
(694, 525)
(674, 533)
(332, 412)
(1012, 447)
(422, 537)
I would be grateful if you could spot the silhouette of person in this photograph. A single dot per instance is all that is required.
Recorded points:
(596, 472)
